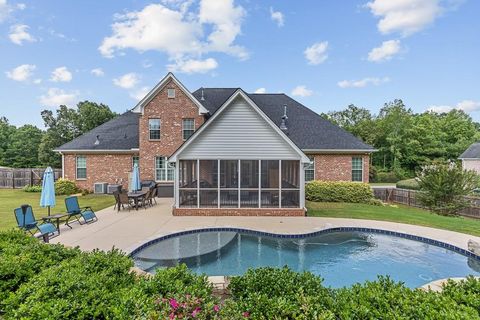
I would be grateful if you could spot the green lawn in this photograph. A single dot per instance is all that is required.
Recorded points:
(11, 199)
(396, 213)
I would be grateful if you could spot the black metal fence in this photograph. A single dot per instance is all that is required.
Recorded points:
(409, 198)
(20, 177)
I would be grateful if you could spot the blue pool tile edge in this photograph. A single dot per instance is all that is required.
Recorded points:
(311, 234)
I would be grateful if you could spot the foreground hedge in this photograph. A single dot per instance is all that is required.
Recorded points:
(339, 191)
(54, 282)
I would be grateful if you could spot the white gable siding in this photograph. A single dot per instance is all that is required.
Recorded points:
(239, 133)
(471, 164)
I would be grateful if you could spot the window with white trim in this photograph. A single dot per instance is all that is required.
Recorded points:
(81, 167)
(310, 170)
(357, 169)
(154, 129)
(188, 128)
(171, 93)
(164, 171)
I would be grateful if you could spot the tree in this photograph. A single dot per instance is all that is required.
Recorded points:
(22, 150)
(356, 120)
(6, 130)
(444, 186)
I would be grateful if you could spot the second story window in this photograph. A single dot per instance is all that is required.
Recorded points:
(154, 129)
(188, 128)
(171, 93)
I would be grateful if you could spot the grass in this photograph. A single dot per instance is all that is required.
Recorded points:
(13, 198)
(396, 213)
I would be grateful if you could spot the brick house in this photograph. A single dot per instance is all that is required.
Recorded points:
(233, 152)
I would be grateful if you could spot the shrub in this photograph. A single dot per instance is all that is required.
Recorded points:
(386, 176)
(444, 187)
(339, 191)
(32, 188)
(89, 286)
(271, 293)
(22, 257)
(466, 292)
(411, 184)
(65, 187)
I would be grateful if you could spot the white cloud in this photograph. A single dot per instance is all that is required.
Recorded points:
(385, 52)
(404, 16)
(19, 34)
(21, 6)
(21, 73)
(98, 72)
(5, 10)
(37, 81)
(56, 97)
(465, 105)
(179, 31)
(277, 17)
(140, 93)
(301, 91)
(362, 83)
(261, 90)
(317, 53)
(61, 74)
(193, 66)
(127, 81)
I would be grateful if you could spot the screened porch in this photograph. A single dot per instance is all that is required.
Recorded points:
(239, 183)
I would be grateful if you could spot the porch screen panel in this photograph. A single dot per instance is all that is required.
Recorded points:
(229, 183)
(249, 183)
(270, 184)
(208, 181)
(188, 177)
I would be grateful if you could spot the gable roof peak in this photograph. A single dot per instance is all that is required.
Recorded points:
(159, 86)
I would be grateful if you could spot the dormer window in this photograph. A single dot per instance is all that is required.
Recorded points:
(171, 93)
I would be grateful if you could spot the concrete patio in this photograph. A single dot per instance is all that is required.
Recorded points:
(127, 230)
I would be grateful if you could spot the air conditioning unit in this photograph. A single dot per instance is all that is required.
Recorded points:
(100, 188)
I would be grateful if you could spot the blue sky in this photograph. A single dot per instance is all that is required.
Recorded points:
(326, 54)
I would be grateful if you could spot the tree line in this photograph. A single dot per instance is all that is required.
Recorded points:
(406, 140)
(28, 146)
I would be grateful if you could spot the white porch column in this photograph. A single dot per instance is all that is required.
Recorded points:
(176, 191)
(302, 184)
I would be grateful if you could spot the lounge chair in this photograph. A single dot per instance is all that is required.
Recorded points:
(26, 221)
(75, 212)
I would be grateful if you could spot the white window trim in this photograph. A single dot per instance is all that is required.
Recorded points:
(314, 174)
(183, 127)
(171, 90)
(164, 169)
(363, 168)
(159, 129)
(76, 168)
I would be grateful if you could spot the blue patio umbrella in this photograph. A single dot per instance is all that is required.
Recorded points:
(47, 199)
(136, 178)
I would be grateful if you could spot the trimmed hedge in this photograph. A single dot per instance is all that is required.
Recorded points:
(339, 191)
(66, 187)
(410, 184)
(33, 188)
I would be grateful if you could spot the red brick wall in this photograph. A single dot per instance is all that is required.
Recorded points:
(111, 168)
(335, 167)
(284, 212)
(170, 112)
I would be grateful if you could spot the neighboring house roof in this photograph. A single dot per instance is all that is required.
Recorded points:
(472, 152)
(118, 134)
(307, 129)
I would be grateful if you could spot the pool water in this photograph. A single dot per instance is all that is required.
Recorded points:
(341, 258)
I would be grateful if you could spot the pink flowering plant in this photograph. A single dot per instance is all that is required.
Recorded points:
(187, 307)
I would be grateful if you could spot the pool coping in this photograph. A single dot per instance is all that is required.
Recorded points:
(403, 235)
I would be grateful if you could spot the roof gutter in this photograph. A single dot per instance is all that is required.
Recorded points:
(343, 151)
(64, 151)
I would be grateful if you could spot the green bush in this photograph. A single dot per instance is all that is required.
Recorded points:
(386, 176)
(465, 293)
(339, 191)
(22, 257)
(271, 293)
(66, 187)
(410, 184)
(88, 286)
(33, 188)
(444, 186)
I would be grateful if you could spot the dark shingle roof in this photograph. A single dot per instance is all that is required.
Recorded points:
(472, 152)
(120, 133)
(307, 129)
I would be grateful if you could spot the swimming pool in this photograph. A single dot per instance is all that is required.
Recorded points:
(340, 257)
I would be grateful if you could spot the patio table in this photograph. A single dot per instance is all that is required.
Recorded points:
(56, 218)
(137, 196)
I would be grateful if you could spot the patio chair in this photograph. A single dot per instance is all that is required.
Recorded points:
(123, 200)
(75, 212)
(26, 221)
